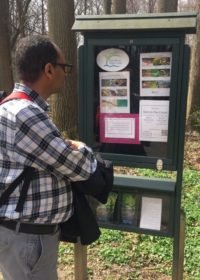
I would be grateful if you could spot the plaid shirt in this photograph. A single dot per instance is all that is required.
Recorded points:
(29, 138)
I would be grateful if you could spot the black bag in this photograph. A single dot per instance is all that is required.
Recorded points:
(100, 183)
(83, 223)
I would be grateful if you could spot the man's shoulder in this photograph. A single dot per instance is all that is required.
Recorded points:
(21, 107)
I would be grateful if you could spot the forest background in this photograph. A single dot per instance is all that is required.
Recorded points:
(138, 256)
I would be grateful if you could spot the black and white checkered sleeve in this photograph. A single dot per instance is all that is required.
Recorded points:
(38, 144)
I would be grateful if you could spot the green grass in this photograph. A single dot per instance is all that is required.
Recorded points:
(131, 253)
(191, 205)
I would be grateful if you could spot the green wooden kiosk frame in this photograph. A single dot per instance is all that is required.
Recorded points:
(135, 37)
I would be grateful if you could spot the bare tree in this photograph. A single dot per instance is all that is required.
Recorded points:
(133, 6)
(194, 85)
(187, 5)
(165, 6)
(19, 19)
(107, 6)
(138, 6)
(119, 6)
(151, 6)
(64, 105)
(88, 7)
(80, 7)
(6, 80)
(43, 17)
(26, 17)
(98, 6)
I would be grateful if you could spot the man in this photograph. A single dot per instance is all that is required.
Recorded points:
(29, 138)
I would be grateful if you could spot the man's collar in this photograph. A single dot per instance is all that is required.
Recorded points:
(33, 94)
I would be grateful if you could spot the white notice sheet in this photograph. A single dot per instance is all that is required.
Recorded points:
(151, 212)
(120, 127)
(153, 120)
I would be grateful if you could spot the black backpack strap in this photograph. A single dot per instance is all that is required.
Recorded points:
(25, 176)
(28, 172)
(28, 176)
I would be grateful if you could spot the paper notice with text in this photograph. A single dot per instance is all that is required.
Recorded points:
(151, 212)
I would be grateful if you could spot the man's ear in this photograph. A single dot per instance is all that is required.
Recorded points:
(49, 70)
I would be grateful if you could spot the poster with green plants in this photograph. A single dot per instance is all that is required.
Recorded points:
(128, 208)
(105, 212)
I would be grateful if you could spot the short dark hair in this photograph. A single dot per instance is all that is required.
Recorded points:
(32, 54)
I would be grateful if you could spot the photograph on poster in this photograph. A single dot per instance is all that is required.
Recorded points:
(114, 82)
(119, 128)
(156, 59)
(105, 212)
(111, 92)
(153, 120)
(155, 74)
(114, 105)
(114, 92)
(128, 208)
(155, 84)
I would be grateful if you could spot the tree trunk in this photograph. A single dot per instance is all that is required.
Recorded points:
(85, 7)
(194, 85)
(151, 6)
(6, 79)
(107, 7)
(119, 6)
(64, 104)
(165, 6)
(43, 22)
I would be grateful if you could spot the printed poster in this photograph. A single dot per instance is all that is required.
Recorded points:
(153, 120)
(114, 92)
(119, 128)
(155, 74)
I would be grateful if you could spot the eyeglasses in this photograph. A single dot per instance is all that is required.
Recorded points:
(67, 68)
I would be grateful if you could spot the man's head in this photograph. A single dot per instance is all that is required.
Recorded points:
(40, 61)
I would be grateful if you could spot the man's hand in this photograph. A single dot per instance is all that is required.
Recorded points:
(76, 145)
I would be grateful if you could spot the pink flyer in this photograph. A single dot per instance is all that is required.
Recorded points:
(119, 128)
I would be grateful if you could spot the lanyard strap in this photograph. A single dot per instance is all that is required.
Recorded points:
(16, 95)
(28, 172)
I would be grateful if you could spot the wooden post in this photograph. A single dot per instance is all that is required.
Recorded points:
(179, 248)
(80, 261)
(181, 244)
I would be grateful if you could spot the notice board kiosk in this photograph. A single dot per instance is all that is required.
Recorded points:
(133, 79)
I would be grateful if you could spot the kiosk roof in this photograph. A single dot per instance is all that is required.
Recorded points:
(159, 21)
